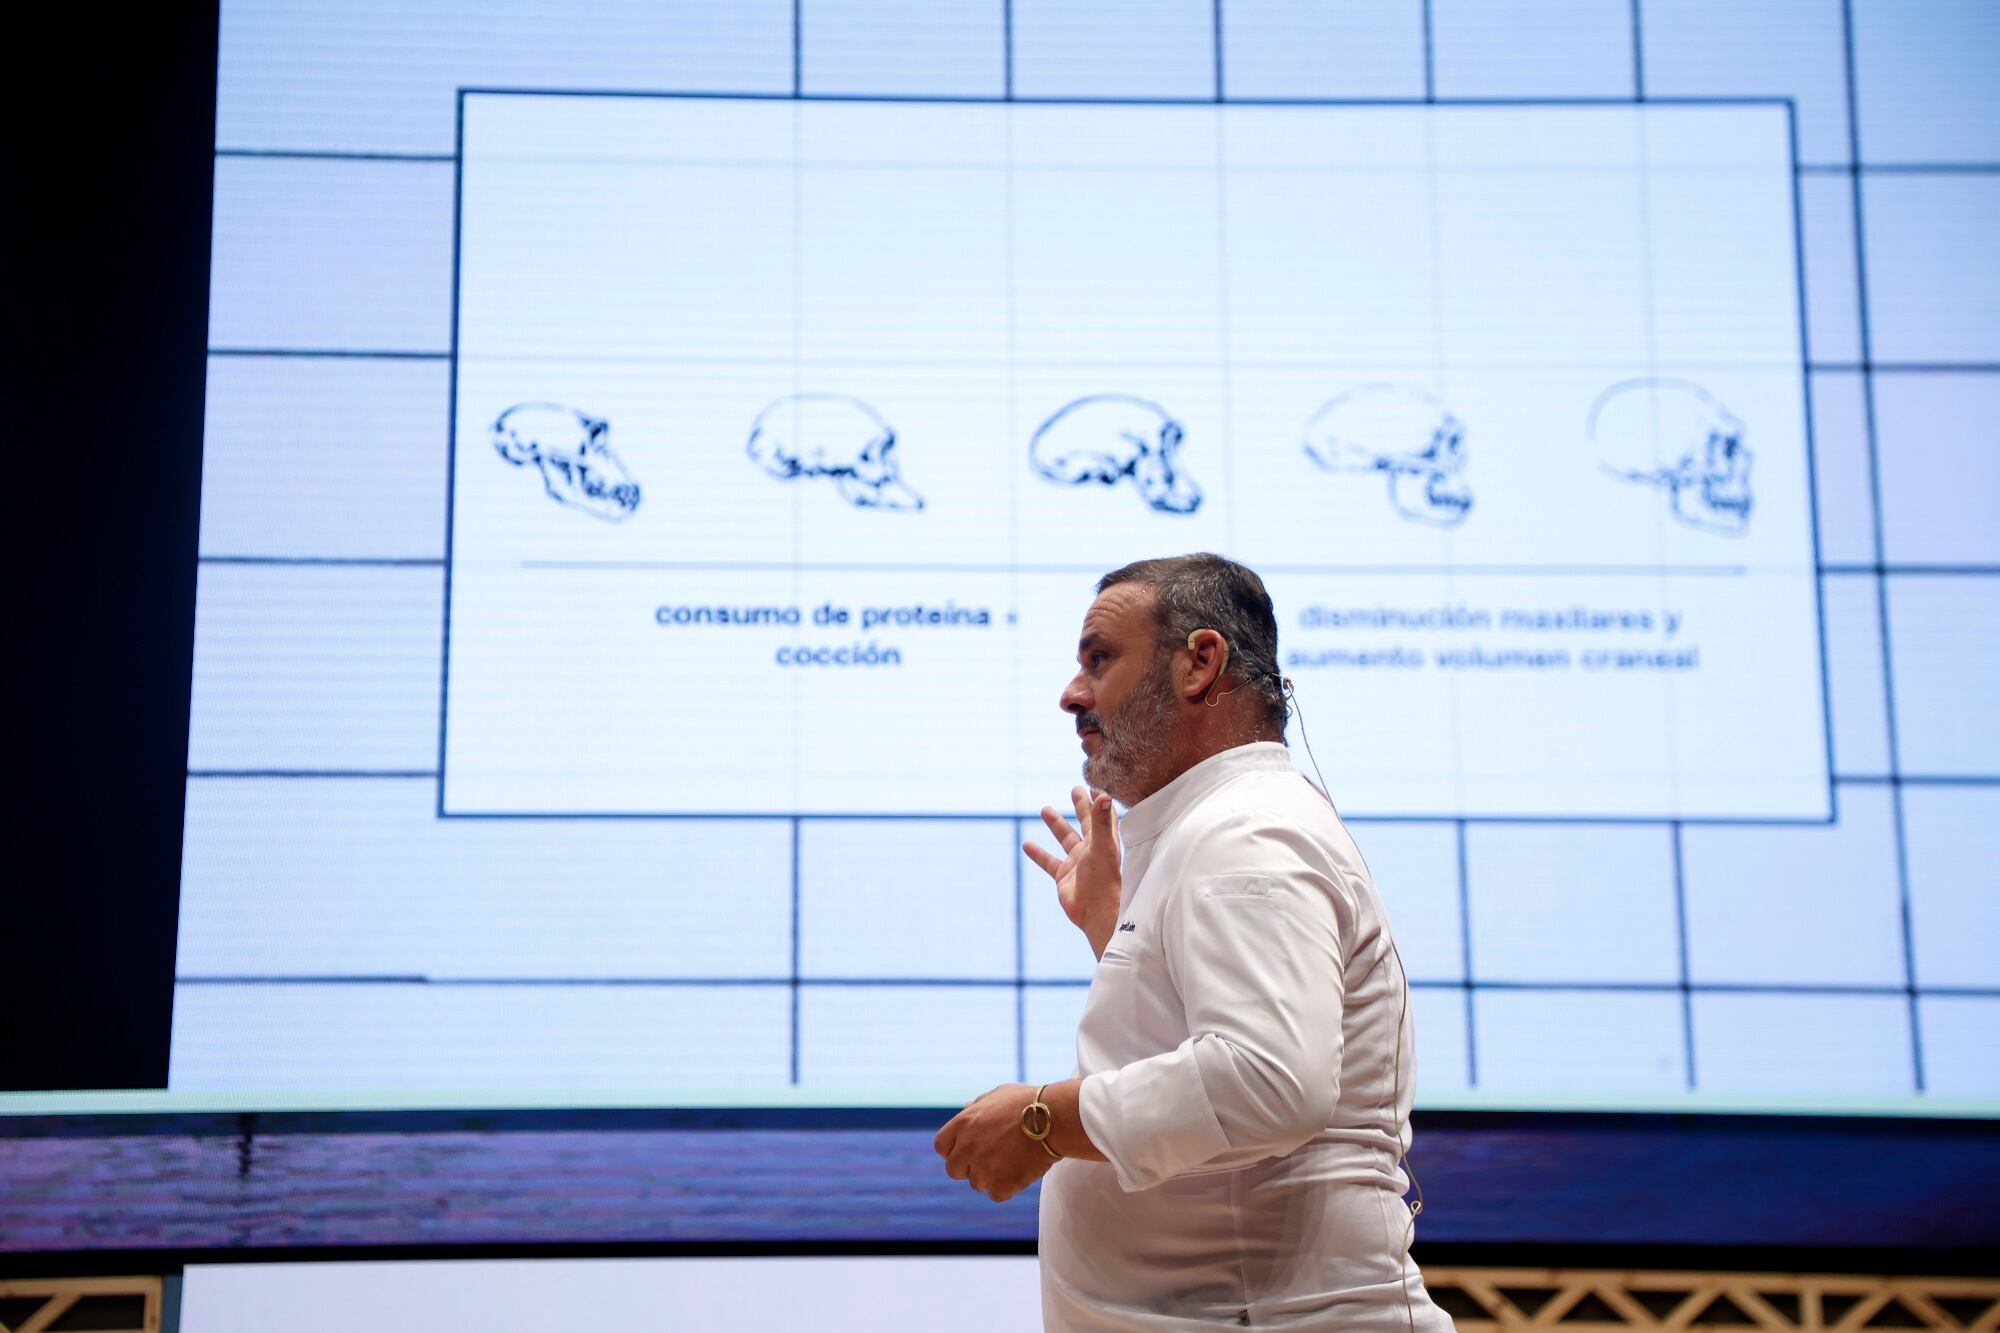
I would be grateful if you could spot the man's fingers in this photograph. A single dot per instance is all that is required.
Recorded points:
(1100, 812)
(1080, 796)
(1041, 857)
(957, 1168)
(946, 1137)
(1065, 835)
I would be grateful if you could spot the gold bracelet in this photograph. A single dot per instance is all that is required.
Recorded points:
(1038, 1121)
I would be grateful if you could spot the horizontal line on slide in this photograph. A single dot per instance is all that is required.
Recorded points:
(1316, 366)
(1804, 168)
(783, 567)
(415, 354)
(987, 99)
(425, 774)
(787, 567)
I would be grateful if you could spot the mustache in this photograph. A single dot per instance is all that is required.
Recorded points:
(1089, 720)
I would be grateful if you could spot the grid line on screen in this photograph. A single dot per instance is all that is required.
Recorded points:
(1465, 957)
(1902, 168)
(280, 773)
(1844, 779)
(1020, 959)
(1865, 327)
(1969, 571)
(796, 940)
(451, 473)
(1639, 59)
(358, 353)
(391, 354)
(1215, 47)
(1681, 947)
(1818, 550)
(1055, 983)
(1929, 780)
(1881, 569)
(1916, 367)
(1430, 53)
(332, 155)
(361, 561)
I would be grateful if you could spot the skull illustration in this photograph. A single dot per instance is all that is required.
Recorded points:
(573, 453)
(1403, 434)
(832, 435)
(1674, 436)
(1110, 436)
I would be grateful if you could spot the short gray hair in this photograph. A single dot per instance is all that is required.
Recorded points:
(1204, 591)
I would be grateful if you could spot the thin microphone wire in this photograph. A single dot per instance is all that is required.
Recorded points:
(1396, 1077)
(1293, 695)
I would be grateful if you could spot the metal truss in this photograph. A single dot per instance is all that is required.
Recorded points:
(1604, 1301)
(108, 1304)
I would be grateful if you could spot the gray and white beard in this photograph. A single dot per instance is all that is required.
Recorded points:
(1129, 749)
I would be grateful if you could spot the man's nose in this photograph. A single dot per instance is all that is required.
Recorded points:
(1075, 698)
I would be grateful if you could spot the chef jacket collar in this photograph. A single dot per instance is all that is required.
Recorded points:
(1150, 817)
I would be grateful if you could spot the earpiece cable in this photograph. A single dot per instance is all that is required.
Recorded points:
(1394, 1108)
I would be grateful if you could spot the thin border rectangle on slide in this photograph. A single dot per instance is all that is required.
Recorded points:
(1805, 388)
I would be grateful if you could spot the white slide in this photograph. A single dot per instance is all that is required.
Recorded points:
(789, 438)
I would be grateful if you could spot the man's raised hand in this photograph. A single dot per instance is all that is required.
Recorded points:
(1087, 875)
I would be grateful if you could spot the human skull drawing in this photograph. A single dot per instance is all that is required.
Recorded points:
(1106, 438)
(1672, 435)
(1400, 433)
(572, 451)
(832, 435)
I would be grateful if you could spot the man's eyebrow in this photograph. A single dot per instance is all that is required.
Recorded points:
(1087, 642)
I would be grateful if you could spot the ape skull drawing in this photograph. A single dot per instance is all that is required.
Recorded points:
(1404, 435)
(1105, 439)
(572, 451)
(830, 435)
(1673, 436)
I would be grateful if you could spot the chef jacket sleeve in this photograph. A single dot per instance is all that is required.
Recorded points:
(1255, 939)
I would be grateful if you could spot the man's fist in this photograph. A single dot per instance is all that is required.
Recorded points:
(983, 1145)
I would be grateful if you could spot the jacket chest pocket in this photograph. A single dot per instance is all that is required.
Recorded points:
(1119, 963)
(1114, 991)
(1131, 996)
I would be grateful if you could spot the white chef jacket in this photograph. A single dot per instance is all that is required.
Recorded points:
(1247, 1065)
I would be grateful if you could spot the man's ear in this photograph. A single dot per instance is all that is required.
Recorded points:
(1208, 652)
(1191, 683)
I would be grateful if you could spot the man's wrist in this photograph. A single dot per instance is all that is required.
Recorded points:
(1066, 1133)
(1099, 929)
(1036, 1122)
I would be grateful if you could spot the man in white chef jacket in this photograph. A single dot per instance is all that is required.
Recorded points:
(1229, 1152)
